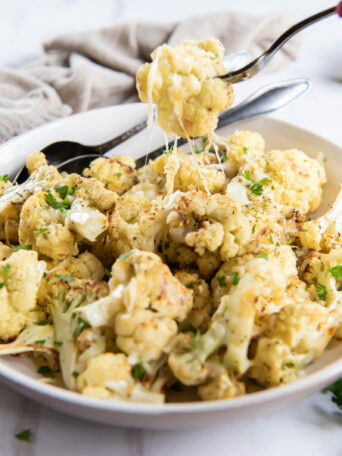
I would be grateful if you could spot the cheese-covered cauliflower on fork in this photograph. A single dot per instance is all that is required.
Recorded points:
(182, 82)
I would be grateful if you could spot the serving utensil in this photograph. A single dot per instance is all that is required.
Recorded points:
(260, 62)
(73, 157)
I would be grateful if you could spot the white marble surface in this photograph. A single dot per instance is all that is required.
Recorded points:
(311, 427)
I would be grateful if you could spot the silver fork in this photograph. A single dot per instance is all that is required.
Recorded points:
(260, 62)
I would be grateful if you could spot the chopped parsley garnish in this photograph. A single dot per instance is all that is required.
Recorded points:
(223, 158)
(66, 277)
(245, 149)
(336, 392)
(235, 278)
(41, 231)
(321, 291)
(222, 280)
(81, 325)
(46, 371)
(107, 273)
(57, 343)
(191, 285)
(4, 178)
(75, 374)
(118, 174)
(166, 245)
(196, 340)
(336, 271)
(25, 435)
(45, 322)
(126, 255)
(6, 269)
(205, 139)
(2, 284)
(138, 371)
(197, 150)
(255, 187)
(40, 342)
(263, 255)
(65, 190)
(45, 275)
(60, 205)
(266, 161)
(22, 247)
(294, 251)
(253, 228)
(168, 151)
(271, 239)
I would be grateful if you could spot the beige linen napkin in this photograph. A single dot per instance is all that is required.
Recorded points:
(97, 68)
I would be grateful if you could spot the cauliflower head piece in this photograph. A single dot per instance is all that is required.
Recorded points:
(182, 82)
(20, 275)
(117, 173)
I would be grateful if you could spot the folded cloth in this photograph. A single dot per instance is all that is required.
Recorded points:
(97, 68)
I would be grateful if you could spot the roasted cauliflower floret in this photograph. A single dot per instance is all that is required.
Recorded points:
(117, 173)
(144, 334)
(35, 160)
(224, 386)
(20, 276)
(297, 335)
(13, 198)
(181, 81)
(202, 309)
(42, 227)
(301, 178)
(184, 172)
(145, 302)
(136, 223)
(324, 274)
(207, 223)
(324, 233)
(109, 376)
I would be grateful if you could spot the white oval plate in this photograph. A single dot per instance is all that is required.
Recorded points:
(100, 125)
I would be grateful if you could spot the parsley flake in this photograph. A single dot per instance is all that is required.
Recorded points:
(65, 190)
(205, 139)
(107, 273)
(255, 187)
(222, 280)
(126, 255)
(75, 374)
(138, 371)
(25, 435)
(81, 325)
(46, 371)
(41, 231)
(336, 271)
(60, 205)
(22, 247)
(191, 285)
(40, 342)
(6, 269)
(2, 284)
(336, 392)
(118, 174)
(4, 178)
(253, 228)
(263, 255)
(197, 150)
(196, 340)
(235, 278)
(168, 151)
(65, 277)
(271, 239)
(45, 322)
(321, 291)
(57, 343)
(245, 149)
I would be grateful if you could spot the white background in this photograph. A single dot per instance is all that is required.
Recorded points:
(311, 427)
